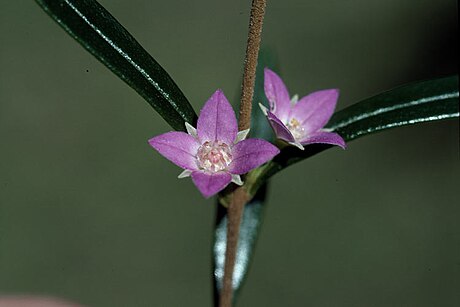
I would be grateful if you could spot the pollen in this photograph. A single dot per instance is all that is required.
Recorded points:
(214, 156)
(298, 132)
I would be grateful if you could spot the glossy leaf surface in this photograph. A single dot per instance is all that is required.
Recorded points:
(406, 105)
(102, 35)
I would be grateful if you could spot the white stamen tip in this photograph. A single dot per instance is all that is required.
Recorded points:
(191, 130)
(237, 179)
(241, 135)
(263, 108)
(184, 174)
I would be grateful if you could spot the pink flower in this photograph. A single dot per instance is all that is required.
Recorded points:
(300, 122)
(215, 153)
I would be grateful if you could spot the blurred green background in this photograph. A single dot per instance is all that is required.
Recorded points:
(89, 212)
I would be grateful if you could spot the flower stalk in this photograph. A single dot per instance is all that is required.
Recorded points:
(256, 20)
(240, 197)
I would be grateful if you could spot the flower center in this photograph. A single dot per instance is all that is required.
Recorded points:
(296, 128)
(214, 156)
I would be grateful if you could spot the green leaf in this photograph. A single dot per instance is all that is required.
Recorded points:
(410, 104)
(102, 35)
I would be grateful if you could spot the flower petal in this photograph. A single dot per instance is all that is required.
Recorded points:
(277, 94)
(249, 154)
(217, 120)
(281, 131)
(314, 111)
(178, 147)
(210, 183)
(324, 138)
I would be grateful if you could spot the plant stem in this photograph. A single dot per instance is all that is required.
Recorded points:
(234, 214)
(256, 21)
(240, 196)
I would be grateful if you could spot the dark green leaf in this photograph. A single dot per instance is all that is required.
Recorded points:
(406, 105)
(411, 104)
(102, 35)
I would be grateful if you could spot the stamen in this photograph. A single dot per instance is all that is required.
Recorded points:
(214, 156)
(296, 128)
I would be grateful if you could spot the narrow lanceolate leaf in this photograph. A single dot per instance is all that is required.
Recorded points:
(102, 35)
(410, 104)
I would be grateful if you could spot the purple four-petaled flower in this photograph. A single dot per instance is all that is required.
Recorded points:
(215, 153)
(300, 122)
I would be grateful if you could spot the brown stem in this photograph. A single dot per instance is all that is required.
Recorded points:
(256, 21)
(234, 213)
(240, 196)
